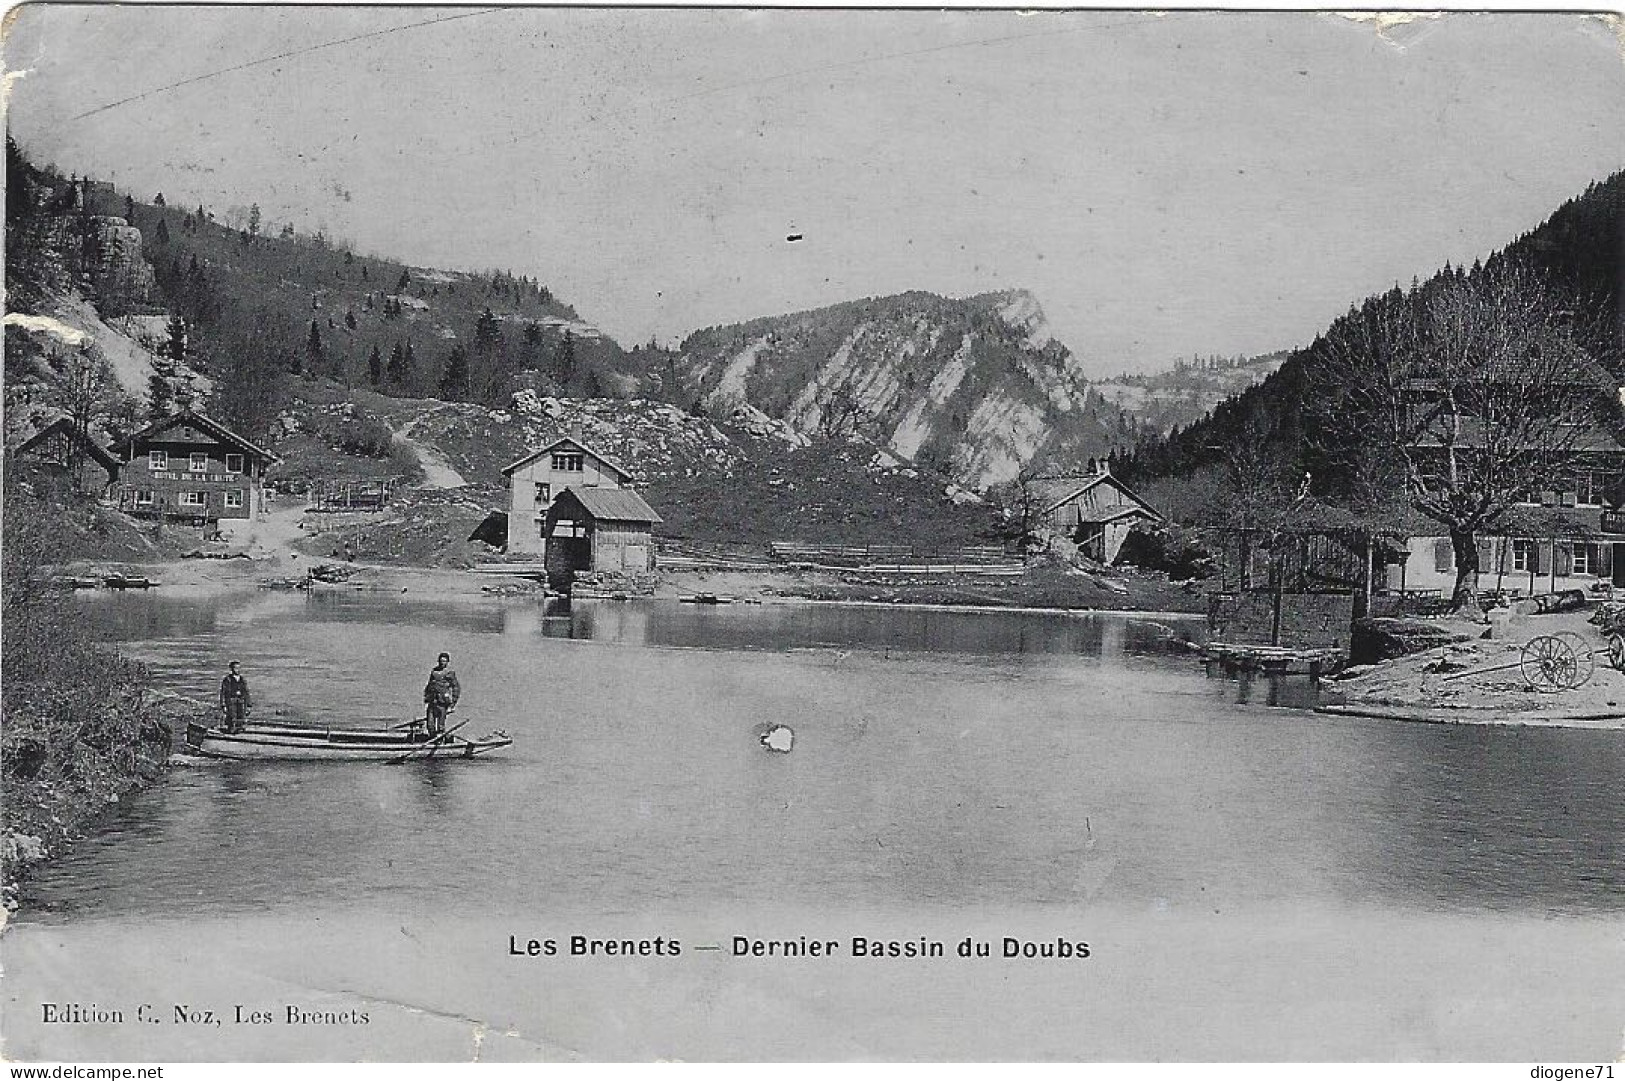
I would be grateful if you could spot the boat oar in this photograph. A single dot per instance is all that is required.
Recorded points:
(427, 749)
(418, 720)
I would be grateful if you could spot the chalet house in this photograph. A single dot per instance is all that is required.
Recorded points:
(188, 467)
(1567, 532)
(598, 529)
(59, 450)
(1095, 510)
(538, 478)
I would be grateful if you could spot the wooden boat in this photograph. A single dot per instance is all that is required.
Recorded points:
(288, 742)
(127, 581)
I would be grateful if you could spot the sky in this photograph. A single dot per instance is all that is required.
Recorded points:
(1189, 183)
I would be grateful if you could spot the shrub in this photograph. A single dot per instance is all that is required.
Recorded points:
(1172, 550)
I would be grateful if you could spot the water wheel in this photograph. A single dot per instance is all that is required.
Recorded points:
(1549, 663)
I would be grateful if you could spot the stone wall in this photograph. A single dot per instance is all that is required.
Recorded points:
(1308, 620)
(612, 582)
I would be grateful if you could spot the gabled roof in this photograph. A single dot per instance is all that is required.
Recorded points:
(64, 425)
(1103, 515)
(611, 504)
(1073, 492)
(508, 469)
(213, 427)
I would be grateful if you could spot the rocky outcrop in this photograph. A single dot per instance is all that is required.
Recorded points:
(975, 388)
(124, 279)
(1382, 638)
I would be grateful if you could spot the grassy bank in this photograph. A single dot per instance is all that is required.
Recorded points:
(80, 725)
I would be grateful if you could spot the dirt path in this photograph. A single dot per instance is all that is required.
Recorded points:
(271, 536)
(437, 470)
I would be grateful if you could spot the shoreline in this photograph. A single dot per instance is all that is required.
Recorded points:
(1397, 689)
(1479, 716)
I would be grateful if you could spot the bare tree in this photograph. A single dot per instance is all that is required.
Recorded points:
(844, 412)
(1474, 387)
(87, 393)
(1259, 488)
(1020, 500)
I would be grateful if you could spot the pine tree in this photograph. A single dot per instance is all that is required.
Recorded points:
(454, 380)
(162, 233)
(531, 348)
(175, 347)
(375, 367)
(400, 286)
(129, 209)
(397, 366)
(160, 396)
(564, 361)
(487, 332)
(254, 220)
(158, 200)
(313, 348)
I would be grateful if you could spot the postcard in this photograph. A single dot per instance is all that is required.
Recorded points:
(642, 534)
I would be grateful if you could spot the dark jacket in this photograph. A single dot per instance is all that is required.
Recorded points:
(235, 689)
(442, 688)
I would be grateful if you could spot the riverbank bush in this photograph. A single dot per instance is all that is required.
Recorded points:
(80, 726)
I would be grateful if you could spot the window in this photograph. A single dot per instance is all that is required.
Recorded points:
(200, 463)
(544, 494)
(569, 463)
(234, 498)
(158, 460)
(1523, 555)
(1582, 559)
(194, 499)
(143, 497)
(234, 463)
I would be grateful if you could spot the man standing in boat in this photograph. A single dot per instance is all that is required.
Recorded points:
(440, 694)
(234, 700)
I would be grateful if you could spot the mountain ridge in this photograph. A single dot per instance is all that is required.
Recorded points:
(977, 388)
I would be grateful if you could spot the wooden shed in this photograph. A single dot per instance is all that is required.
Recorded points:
(1096, 510)
(599, 529)
(61, 449)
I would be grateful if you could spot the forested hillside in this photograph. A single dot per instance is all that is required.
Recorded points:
(1183, 394)
(229, 307)
(350, 367)
(1579, 252)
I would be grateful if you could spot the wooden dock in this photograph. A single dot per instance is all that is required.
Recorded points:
(527, 570)
(1275, 660)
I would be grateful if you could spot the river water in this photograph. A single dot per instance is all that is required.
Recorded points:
(1252, 880)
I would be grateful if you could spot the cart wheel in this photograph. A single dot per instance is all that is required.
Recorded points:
(1585, 658)
(1547, 663)
(1616, 650)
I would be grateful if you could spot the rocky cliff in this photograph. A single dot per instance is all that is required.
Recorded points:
(975, 388)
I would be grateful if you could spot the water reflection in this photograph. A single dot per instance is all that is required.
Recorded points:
(1092, 757)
